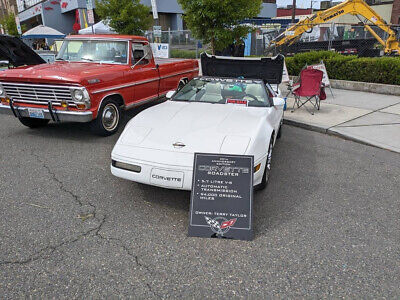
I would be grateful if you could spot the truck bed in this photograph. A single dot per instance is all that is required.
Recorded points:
(162, 61)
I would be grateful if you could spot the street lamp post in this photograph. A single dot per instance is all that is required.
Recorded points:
(293, 11)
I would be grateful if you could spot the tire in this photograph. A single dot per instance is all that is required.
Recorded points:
(33, 123)
(108, 119)
(267, 169)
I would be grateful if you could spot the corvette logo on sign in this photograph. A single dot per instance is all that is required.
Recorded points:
(220, 225)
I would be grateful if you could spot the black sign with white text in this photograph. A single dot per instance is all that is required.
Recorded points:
(221, 203)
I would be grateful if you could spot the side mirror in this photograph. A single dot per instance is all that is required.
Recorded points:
(278, 102)
(170, 94)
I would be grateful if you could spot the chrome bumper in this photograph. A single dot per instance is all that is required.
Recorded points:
(60, 115)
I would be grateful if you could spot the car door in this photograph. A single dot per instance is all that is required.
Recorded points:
(143, 73)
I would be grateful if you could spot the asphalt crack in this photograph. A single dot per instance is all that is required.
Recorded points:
(135, 258)
(49, 250)
(63, 188)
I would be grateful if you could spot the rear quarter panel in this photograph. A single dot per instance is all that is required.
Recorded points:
(173, 70)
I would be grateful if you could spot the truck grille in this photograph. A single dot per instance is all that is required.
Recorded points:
(38, 93)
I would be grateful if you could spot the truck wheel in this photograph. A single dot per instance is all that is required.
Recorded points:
(267, 170)
(33, 123)
(108, 118)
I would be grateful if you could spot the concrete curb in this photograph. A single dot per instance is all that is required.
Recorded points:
(378, 88)
(304, 126)
(334, 133)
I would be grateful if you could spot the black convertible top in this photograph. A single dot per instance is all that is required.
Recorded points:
(268, 69)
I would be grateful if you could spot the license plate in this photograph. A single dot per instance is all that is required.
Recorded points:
(166, 178)
(36, 113)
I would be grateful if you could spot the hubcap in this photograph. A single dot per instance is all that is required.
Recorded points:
(110, 117)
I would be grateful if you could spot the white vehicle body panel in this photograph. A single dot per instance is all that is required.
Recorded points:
(147, 140)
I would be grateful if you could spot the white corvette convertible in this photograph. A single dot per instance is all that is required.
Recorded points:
(216, 113)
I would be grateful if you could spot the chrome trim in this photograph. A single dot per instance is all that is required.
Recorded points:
(40, 94)
(141, 82)
(125, 86)
(63, 116)
(180, 73)
(106, 96)
(138, 103)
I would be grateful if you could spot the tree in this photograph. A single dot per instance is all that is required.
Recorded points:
(9, 25)
(125, 16)
(217, 21)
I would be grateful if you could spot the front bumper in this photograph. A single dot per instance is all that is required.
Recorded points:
(58, 115)
(149, 169)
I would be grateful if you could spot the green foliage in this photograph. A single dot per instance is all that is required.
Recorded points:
(125, 16)
(176, 53)
(367, 69)
(9, 25)
(216, 22)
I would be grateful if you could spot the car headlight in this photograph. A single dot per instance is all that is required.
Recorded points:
(2, 91)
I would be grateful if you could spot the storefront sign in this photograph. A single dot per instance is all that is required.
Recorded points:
(160, 50)
(221, 203)
(90, 16)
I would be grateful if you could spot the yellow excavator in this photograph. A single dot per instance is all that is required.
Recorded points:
(354, 7)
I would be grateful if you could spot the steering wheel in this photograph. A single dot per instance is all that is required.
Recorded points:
(251, 96)
(255, 101)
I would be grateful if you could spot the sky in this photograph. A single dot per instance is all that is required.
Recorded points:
(300, 3)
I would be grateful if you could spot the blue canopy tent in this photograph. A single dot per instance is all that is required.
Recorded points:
(42, 32)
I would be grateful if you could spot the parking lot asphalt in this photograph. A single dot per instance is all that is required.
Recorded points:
(328, 224)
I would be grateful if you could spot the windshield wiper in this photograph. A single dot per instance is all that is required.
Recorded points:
(60, 59)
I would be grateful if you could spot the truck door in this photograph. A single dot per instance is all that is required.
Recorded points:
(143, 73)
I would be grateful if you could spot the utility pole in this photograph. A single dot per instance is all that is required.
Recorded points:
(294, 11)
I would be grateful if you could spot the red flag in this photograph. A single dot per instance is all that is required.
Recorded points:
(228, 223)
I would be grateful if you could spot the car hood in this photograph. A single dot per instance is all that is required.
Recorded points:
(194, 127)
(74, 72)
(17, 52)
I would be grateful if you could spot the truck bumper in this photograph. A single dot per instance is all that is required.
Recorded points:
(57, 115)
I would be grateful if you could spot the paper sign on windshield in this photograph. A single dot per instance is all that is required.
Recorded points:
(237, 101)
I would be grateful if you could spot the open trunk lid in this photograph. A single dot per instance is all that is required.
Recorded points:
(17, 52)
(268, 69)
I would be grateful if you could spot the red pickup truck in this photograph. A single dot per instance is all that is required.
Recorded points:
(94, 78)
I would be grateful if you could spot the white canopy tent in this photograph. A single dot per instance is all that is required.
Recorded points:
(42, 32)
(99, 28)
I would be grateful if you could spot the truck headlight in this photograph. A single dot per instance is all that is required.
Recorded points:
(2, 91)
(81, 97)
(78, 95)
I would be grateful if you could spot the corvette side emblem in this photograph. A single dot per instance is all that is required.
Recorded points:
(178, 145)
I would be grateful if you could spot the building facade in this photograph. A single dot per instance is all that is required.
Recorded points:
(170, 13)
(64, 15)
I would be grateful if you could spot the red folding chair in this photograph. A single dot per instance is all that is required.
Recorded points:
(310, 87)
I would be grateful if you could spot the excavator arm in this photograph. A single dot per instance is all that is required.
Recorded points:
(353, 7)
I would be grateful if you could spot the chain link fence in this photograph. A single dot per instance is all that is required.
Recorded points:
(339, 37)
(178, 40)
(348, 39)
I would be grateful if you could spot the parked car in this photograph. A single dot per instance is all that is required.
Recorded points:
(230, 110)
(94, 78)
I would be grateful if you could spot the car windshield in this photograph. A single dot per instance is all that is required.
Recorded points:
(111, 52)
(224, 91)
